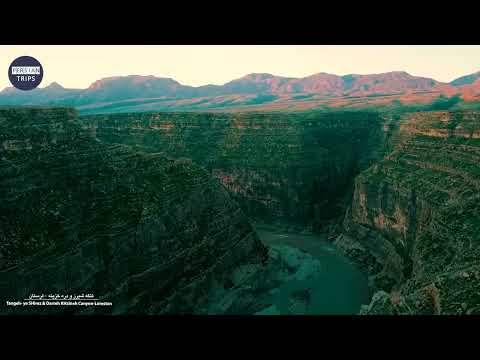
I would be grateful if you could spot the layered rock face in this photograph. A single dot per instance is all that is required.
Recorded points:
(414, 220)
(150, 234)
(288, 167)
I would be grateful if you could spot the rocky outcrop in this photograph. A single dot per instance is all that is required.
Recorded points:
(414, 218)
(287, 167)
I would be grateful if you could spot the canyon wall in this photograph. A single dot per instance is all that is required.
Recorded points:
(148, 233)
(280, 167)
(414, 219)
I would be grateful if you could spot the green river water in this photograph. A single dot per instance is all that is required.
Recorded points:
(340, 289)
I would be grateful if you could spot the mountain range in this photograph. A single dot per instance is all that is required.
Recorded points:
(253, 91)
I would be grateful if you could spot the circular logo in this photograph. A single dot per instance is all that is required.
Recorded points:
(25, 73)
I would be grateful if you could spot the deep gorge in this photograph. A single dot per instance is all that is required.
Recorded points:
(148, 228)
(293, 169)
(161, 211)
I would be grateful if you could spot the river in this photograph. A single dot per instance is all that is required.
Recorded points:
(340, 289)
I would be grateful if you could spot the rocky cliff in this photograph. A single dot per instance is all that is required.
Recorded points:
(142, 231)
(414, 219)
(287, 167)
(148, 233)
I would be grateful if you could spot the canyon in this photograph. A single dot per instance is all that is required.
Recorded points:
(287, 168)
(165, 212)
(143, 231)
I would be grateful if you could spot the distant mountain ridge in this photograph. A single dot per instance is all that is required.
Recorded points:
(466, 80)
(250, 89)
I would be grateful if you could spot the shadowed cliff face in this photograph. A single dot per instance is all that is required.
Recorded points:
(150, 234)
(285, 167)
(414, 220)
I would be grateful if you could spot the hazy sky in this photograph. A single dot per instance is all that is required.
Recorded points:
(79, 66)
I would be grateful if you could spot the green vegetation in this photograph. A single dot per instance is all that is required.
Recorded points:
(444, 103)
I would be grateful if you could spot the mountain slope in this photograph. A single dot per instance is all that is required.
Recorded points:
(256, 90)
(328, 84)
(51, 93)
(466, 80)
(131, 87)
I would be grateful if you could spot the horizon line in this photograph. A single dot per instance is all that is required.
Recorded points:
(252, 73)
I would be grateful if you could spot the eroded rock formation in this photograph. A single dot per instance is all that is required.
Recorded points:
(414, 220)
(289, 167)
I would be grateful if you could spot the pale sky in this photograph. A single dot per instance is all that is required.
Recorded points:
(78, 66)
